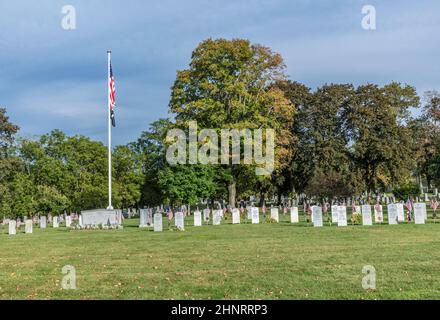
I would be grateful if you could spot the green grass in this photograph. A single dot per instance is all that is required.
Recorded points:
(266, 261)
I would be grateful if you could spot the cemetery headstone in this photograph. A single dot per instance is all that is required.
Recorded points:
(68, 221)
(143, 218)
(392, 214)
(197, 218)
(342, 216)
(55, 222)
(294, 215)
(274, 214)
(367, 219)
(419, 213)
(334, 214)
(12, 227)
(235, 216)
(28, 226)
(400, 212)
(317, 216)
(180, 220)
(217, 217)
(206, 215)
(158, 222)
(43, 222)
(255, 215)
(378, 213)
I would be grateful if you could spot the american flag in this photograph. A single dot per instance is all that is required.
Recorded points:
(112, 96)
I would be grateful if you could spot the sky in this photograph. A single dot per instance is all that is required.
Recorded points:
(52, 78)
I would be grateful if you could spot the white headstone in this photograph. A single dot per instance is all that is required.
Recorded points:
(294, 215)
(392, 213)
(378, 213)
(367, 219)
(43, 222)
(197, 218)
(206, 215)
(342, 216)
(217, 217)
(143, 218)
(29, 226)
(400, 212)
(274, 214)
(158, 222)
(235, 216)
(12, 227)
(426, 197)
(80, 220)
(179, 220)
(68, 221)
(335, 213)
(255, 215)
(419, 213)
(317, 216)
(55, 222)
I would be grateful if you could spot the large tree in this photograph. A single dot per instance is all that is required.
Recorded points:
(229, 85)
(380, 141)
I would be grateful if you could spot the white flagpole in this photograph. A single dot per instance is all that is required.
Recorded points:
(110, 207)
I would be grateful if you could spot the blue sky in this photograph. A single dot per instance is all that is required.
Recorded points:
(52, 78)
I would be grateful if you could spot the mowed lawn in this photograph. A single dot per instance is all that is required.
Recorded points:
(266, 261)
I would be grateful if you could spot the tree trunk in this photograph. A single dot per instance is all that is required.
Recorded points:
(232, 191)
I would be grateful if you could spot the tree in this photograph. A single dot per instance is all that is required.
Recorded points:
(128, 177)
(229, 85)
(380, 140)
(151, 149)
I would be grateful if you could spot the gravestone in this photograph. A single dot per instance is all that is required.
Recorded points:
(378, 213)
(392, 214)
(274, 214)
(255, 215)
(80, 220)
(367, 219)
(68, 221)
(235, 216)
(158, 222)
(197, 218)
(217, 217)
(143, 218)
(28, 226)
(342, 216)
(419, 213)
(294, 215)
(334, 214)
(206, 215)
(426, 197)
(400, 212)
(180, 220)
(12, 227)
(100, 217)
(43, 222)
(55, 223)
(317, 216)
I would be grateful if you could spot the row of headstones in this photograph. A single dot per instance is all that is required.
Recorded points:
(43, 224)
(338, 213)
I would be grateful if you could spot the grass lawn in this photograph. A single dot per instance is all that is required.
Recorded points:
(266, 261)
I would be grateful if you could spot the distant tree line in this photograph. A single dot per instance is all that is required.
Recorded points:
(336, 141)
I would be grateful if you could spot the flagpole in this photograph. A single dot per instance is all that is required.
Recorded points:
(110, 207)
